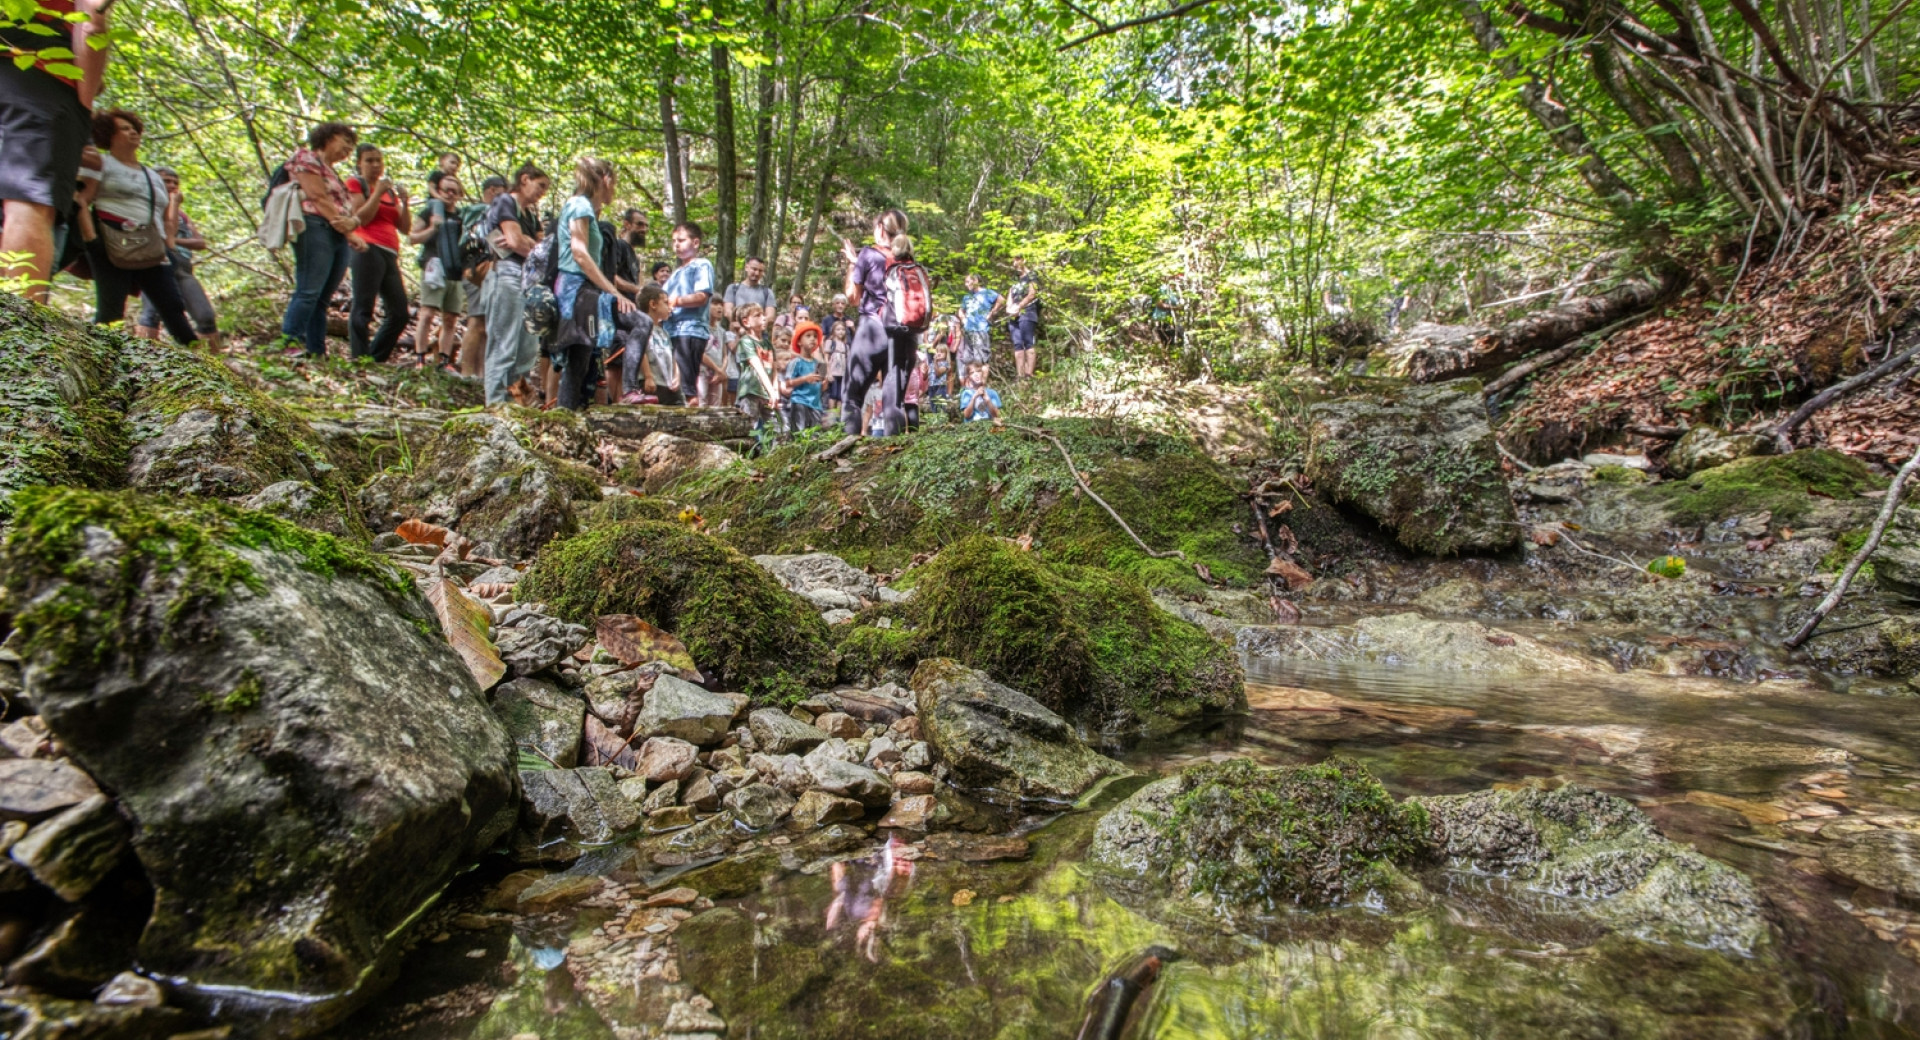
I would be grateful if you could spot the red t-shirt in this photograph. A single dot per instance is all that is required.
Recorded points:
(384, 229)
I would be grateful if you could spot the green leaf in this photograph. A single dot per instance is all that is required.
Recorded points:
(60, 68)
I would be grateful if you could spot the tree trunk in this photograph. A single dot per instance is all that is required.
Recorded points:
(1567, 135)
(726, 224)
(1541, 330)
(670, 134)
(822, 196)
(786, 170)
(758, 219)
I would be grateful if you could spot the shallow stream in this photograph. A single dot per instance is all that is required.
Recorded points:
(901, 943)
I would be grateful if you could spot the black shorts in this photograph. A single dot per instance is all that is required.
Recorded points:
(43, 127)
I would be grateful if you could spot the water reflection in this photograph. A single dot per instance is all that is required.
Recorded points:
(862, 888)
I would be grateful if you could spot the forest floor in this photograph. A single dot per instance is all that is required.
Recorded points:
(1738, 355)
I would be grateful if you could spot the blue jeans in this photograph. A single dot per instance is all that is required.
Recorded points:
(319, 263)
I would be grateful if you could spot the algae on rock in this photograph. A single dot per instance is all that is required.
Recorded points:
(743, 629)
(1785, 485)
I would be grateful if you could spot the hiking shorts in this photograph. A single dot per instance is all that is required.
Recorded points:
(451, 297)
(43, 127)
(976, 349)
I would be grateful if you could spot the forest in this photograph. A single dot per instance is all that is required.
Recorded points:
(1450, 572)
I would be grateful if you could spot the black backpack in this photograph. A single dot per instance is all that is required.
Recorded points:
(275, 179)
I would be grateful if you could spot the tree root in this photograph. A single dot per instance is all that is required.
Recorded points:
(1859, 558)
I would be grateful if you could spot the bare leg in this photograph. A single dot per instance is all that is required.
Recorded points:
(473, 347)
(146, 332)
(29, 230)
(423, 331)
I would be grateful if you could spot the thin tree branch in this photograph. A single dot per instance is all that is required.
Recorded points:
(1172, 554)
(1145, 19)
(1859, 558)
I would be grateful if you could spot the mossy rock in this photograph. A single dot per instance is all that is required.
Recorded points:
(481, 475)
(82, 406)
(743, 630)
(870, 655)
(1247, 837)
(61, 402)
(1087, 643)
(616, 508)
(912, 495)
(1788, 486)
(1421, 461)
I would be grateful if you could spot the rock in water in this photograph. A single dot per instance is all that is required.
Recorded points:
(1420, 460)
(1704, 447)
(305, 760)
(1000, 743)
(1606, 860)
(479, 476)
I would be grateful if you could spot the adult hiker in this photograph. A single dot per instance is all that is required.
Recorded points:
(187, 240)
(320, 253)
(977, 308)
(473, 341)
(689, 291)
(437, 232)
(381, 207)
(130, 228)
(512, 221)
(751, 291)
(1023, 307)
(876, 354)
(587, 296)
(633, 228)
(45, 124)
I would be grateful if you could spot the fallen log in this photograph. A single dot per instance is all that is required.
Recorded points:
(1437, 358)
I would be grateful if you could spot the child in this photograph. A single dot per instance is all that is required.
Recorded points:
(978, 402)
(803, 378)
(650, 373)
(837, 361)
(756, 398)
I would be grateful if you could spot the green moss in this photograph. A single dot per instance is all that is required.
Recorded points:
(627, 507)
(1842, 553)
(1308, 836)
(1613, 473)
(60, 401)
(1089, 644)
(742, 628)
(186, 545)
(1785, 485)
(911, 496)
(1668, 567)
(869, 653)
(245, 695)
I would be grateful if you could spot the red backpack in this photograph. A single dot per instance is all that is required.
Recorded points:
(909, 295)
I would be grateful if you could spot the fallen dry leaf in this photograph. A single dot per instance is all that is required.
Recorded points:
(1285, 611)
(1292, 573)
(1544, 534)
(635, 642)
(419, 532)
(466, 624)
(604, 747)
(1500, 639)
(489, 589)
(963, 897)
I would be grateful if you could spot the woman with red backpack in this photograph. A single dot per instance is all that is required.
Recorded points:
(884, 349)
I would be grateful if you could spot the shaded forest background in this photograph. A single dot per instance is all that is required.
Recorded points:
(1283, 158)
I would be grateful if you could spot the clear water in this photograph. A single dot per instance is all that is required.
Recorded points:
(883, 945)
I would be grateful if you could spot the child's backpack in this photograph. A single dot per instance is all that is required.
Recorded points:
(473, 245)
(909, 296)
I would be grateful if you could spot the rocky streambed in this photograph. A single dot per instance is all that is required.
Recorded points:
(381, 721)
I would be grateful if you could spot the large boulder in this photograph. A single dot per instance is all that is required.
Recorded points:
(1001, 744)
(305, 761)
(480, 476)
(744, 631)
(1088, 644)
(1704, 447)
(1234, 834)
(1421, 461)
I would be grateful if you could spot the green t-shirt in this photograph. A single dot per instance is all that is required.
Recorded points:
(749, 382)
(577, 207)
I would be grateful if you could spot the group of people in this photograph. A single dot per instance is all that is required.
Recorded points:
(558, 313)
